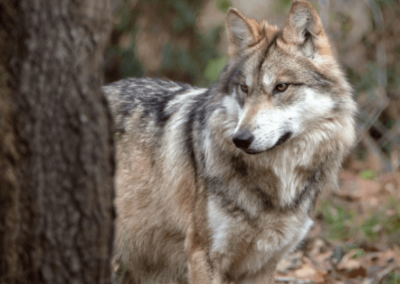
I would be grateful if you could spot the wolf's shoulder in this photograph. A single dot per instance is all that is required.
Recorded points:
(150, 95)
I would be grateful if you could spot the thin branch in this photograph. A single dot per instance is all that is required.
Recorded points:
(324, 5)
(386, 271)
(381, 101)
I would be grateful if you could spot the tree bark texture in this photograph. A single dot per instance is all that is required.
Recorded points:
(56, 143)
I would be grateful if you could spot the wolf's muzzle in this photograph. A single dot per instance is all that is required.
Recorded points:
(242, 139)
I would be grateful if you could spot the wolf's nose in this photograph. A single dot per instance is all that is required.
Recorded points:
(243, 139)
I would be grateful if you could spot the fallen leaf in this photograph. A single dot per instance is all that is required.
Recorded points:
(309, 272)
(316, 247)
(382, 258)
(323, 259)
(306, 272)
(352, 268)
(349, 264)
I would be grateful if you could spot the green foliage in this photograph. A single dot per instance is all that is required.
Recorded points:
(339, 221)
(371, 227)
(392, 278)
(223, 5)
(127, 18)
(186, 14)
(214, 68)
(283, 5)
(176, 58)
(380, 223)
(130, 64)
(369, 175)
(359, 253)
(197, 61)
(391, 224)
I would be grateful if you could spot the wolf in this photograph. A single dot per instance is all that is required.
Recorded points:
(217, 185)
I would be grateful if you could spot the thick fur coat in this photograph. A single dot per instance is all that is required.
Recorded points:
(217, 185)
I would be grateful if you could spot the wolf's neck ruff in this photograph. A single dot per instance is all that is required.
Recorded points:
(296, 166)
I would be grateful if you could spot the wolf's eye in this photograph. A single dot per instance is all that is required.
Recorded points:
(244, 89)
(281, 88)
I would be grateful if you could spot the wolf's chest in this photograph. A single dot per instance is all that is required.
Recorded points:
(248, 248)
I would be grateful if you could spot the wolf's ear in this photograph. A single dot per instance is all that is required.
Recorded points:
(242, 32)
(304, 29)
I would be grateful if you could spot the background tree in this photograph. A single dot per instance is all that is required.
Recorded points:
(56, 144)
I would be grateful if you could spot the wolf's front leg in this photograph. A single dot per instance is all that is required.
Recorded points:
(201, 270)
(265, 276)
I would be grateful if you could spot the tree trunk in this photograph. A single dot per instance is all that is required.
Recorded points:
(56, 143)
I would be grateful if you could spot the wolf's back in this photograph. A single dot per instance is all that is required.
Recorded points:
(148, 96)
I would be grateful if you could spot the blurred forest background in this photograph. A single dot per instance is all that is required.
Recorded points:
(357, 233)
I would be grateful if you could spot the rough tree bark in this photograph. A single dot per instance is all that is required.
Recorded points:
(56, 144)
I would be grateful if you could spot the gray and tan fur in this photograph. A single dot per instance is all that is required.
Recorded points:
(217, 185)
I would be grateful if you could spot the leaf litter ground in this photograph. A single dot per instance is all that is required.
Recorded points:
(356, 235)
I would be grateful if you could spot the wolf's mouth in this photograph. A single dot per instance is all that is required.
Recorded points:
(284, 138)
(253, 152)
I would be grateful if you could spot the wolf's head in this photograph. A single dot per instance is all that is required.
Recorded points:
(280, 84)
